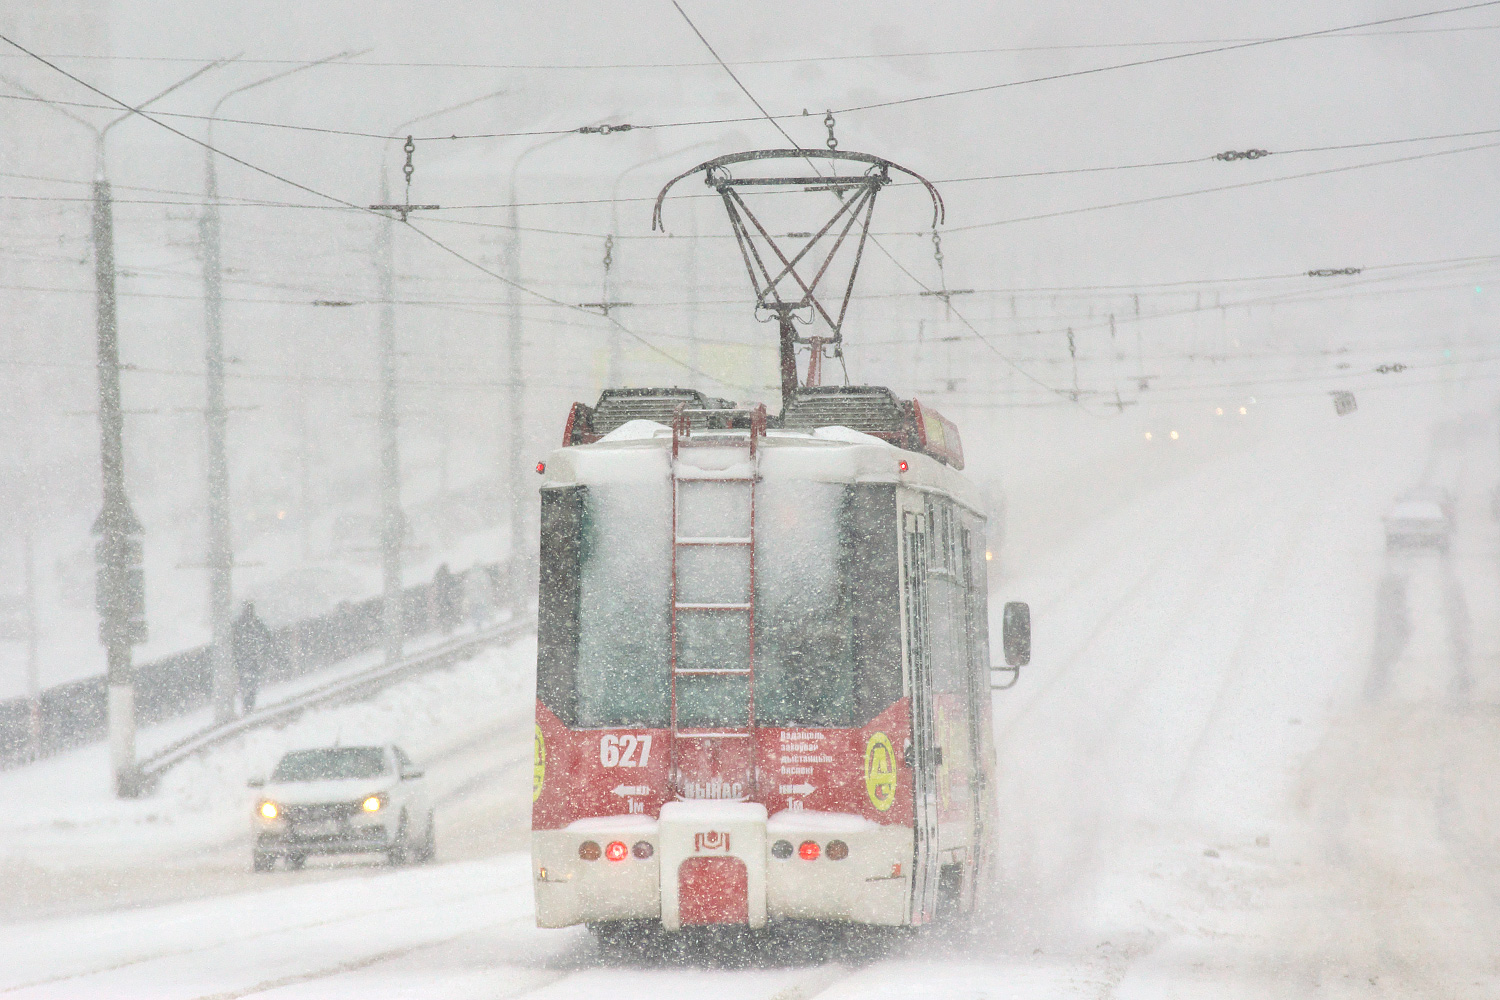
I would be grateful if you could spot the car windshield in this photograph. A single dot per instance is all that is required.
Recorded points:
(331, 764)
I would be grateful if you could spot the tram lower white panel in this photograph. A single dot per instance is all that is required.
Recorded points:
(571, 891)
(866, 887)
(859, 889)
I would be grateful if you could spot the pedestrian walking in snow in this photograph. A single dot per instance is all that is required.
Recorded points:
(254, 646)
(446, 599)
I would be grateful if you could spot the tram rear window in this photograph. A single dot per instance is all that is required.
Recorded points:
(604, 625)
(827, 626)
(827, 639)
(624, 624)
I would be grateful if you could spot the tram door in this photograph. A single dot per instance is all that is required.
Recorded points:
(920, 753)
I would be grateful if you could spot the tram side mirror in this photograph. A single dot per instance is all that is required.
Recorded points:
(256, 783)
(1016, 639)
(1016, 633)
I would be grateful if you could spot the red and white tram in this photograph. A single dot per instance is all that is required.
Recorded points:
(763, 674)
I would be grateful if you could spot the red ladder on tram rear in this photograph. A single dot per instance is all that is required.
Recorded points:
(713, 609)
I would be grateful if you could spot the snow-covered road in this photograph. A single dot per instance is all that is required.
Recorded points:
(1254, 757)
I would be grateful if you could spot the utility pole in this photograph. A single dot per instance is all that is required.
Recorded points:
(392, 520)
(616, 359)
(304, 480)
(513, 472)
(613, 375)
(120, 588)
(224, 683)
(515, 411)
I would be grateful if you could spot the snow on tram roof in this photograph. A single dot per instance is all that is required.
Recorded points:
(642, 449)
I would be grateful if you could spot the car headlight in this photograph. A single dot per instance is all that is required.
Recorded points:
(268, 810)
(372, 803)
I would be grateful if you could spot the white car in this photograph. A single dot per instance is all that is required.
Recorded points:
(343, 800)
(1418, 524)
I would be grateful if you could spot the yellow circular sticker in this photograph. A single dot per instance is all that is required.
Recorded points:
(538, 764)
(880, 771)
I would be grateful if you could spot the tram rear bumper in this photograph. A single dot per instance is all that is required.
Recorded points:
(689, 876)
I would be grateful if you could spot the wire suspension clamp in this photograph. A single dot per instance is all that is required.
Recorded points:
(1332, 272)
(406, 209)
(1230, 155)
(605, 303)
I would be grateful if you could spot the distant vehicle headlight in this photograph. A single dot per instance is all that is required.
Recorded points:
(372, 803)
(268, 810)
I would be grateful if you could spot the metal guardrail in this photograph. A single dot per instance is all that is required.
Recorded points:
(73, 714)
(351, 687)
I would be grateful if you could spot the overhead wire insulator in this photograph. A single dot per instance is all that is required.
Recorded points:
(409, 169)
(1230, 155)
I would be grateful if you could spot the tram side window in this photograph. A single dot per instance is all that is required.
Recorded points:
(803, 665)
(827, 632)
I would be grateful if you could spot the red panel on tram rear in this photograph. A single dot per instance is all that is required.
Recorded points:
(840, 770)
(582, 773)
(713, 891)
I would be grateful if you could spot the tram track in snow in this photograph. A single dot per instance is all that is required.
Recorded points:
(231, 941)
(1055, 672)
(1128, 674)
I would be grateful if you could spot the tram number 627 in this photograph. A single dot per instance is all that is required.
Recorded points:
(622, 751)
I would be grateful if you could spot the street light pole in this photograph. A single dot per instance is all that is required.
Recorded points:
(119, 593)
(224, 684)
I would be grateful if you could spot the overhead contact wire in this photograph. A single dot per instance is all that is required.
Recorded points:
(360, 208)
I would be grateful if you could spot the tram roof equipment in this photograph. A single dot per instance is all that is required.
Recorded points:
(869, 409)
(785, 277)
(617, 407)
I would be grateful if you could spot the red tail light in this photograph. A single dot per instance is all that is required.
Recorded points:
(809, 850)
(616, 851)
